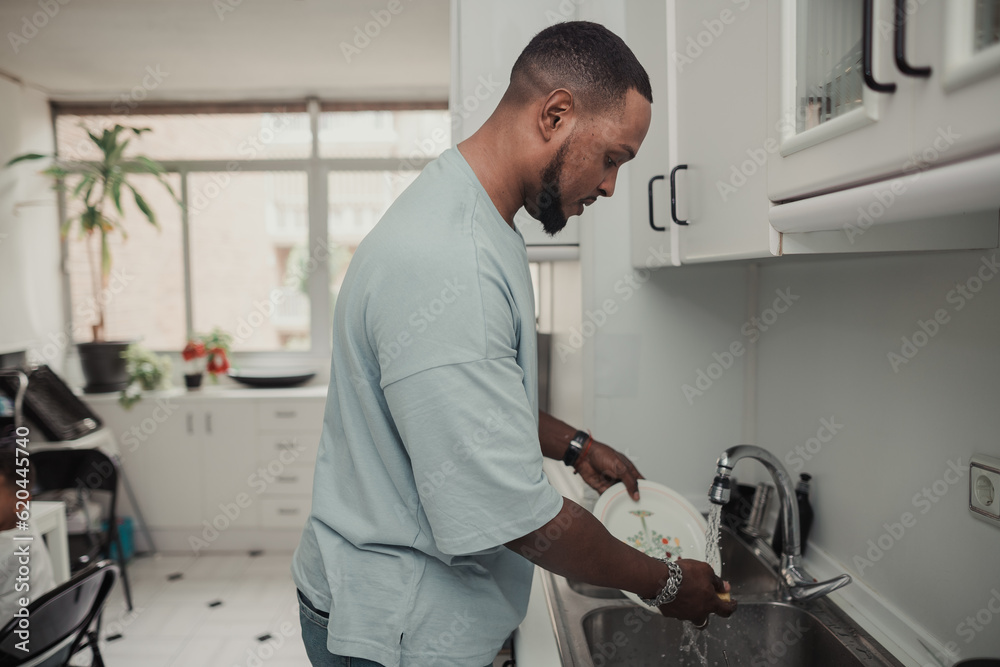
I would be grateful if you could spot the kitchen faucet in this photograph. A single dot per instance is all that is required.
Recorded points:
(798, 584)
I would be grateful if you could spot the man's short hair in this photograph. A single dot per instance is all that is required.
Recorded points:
(587, 59)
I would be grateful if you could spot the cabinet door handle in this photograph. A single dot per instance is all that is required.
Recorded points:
(904, 66)
(288, 511)
(673, 195)
(284, 414)
(190, 424)
(867, 57)
(651, 221)
(287, 479)
(208, 423)
(288, 444)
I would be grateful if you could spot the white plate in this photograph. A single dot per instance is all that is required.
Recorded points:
(662, 524)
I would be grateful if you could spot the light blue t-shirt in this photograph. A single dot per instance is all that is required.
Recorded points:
(429, 460)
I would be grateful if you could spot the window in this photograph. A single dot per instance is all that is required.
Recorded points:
(249, 249)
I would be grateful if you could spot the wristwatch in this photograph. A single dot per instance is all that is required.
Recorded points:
(576, 445)
(671, 588)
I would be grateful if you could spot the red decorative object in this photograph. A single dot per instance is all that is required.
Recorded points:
(194, 350)
(218, 362)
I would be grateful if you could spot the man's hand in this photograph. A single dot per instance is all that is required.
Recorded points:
(698, 595)
(604, 467)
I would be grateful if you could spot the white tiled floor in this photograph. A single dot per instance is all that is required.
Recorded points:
(172, 624)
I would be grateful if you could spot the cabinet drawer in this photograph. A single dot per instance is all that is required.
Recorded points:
(293, 480)
(291, 416)
(298, 449)
(288, 512)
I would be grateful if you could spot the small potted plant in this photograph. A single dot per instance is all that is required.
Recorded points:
(194, 354)
(146, 370)
(206, 353)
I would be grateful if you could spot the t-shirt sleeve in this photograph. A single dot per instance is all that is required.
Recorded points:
(473, 444)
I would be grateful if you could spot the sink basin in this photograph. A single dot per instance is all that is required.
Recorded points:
(768, 633)
(600, 592)
(600, 627)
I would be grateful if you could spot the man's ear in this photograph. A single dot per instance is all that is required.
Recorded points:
(557, 114)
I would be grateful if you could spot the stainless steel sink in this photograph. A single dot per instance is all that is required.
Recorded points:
(766, 633)
(599, 627)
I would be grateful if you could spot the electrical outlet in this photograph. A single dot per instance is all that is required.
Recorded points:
(984, 488)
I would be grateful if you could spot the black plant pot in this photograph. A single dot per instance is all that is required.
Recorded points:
(103, 367)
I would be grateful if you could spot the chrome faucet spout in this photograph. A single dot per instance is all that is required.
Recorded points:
(798, 584)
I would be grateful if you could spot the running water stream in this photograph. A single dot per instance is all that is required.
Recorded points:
(694, 643)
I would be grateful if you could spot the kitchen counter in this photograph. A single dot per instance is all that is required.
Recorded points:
(227, 390)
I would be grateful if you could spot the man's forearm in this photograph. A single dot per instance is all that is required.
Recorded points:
(553, 435)
(577, 546)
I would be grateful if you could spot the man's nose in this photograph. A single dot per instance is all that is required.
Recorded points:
(607, 188)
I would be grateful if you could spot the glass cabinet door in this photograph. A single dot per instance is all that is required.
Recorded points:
(955, 110)
(828, 60)
(838, 107)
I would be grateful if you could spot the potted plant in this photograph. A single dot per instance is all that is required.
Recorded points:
(206, 353)
(147, 371)
(97, 189)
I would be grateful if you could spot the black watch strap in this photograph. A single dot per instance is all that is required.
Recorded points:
(575, 447)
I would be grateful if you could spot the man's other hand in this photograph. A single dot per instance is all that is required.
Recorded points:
(603, 467)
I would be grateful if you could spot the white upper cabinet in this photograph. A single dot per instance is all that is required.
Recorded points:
(840, 109)
(718, 61)
(866, 90)
(649, 190)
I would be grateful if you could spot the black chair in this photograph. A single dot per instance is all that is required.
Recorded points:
(61, 620)
(85, 469)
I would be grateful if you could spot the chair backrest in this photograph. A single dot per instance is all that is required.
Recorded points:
(71, 468)
(62, 615)
(57, 469)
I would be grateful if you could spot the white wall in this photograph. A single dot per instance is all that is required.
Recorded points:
(30, 288)
(899, 428)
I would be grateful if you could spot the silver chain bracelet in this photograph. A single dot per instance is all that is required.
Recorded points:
(671, 588)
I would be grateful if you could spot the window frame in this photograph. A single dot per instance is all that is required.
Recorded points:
(316, 169)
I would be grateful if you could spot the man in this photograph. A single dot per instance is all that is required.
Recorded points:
(429, 497)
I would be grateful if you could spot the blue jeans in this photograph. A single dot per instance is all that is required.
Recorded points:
(314, 624)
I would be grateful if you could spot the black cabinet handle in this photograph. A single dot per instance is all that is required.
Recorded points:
(866, 48)
(652, 223)
(904, 66)
(673, 194)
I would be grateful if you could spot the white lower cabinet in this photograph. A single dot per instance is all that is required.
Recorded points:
(218, 472)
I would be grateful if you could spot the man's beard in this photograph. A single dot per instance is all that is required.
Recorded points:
(549, 200)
